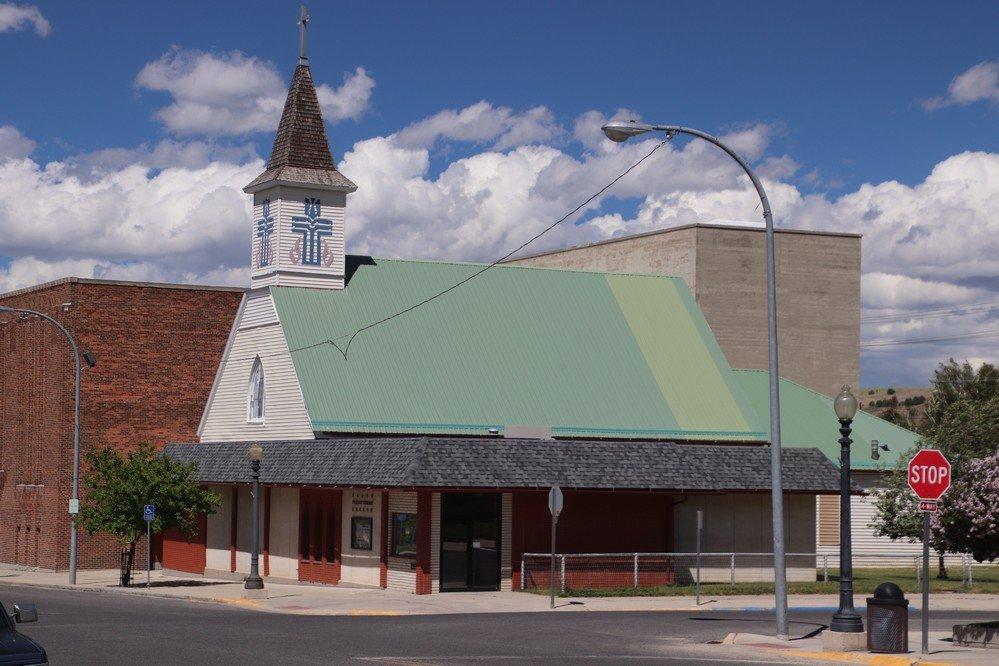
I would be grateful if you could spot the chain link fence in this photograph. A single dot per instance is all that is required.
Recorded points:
(576, 571)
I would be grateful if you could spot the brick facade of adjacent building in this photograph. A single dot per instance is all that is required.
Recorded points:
(157, 349)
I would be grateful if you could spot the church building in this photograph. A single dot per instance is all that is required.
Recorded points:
(414, 414)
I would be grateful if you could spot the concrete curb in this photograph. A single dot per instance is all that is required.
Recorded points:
(126, 592)
(787, 649)
(865, 658)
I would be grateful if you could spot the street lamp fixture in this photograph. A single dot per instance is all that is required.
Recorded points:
(254, 581)
(622, 130)
(846, 619)
(74, 502)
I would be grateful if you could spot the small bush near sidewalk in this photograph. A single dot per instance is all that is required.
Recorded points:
(985, 581)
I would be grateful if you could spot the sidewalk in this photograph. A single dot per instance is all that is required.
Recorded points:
(805, 650)
(342, 600)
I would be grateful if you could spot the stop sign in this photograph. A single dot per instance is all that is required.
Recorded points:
(929, 474)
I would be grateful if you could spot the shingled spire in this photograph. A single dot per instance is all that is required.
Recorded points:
(300, 200)
(301, 152)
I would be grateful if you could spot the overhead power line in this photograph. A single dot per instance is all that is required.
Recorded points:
(967, 308)
(350, 336)
(943, 338)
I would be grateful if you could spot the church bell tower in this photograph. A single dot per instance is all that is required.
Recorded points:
(299, 201)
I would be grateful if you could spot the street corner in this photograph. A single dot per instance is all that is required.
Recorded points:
(809, 650)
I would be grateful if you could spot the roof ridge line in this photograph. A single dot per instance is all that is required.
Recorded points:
(557, 269)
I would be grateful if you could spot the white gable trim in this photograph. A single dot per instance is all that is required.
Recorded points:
(257, 332)
(218, 370)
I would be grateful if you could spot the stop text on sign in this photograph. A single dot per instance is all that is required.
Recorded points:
(928, 474)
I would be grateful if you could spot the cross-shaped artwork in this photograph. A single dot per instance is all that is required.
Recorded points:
(311, 249)
(265, 227)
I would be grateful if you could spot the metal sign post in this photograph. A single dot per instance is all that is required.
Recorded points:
(148, 515)
(929, 478)
(555, 508)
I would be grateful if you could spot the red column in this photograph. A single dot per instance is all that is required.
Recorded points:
(383, 565)
(233, 514)
(515, 547)
(338, 535)
(423, 580)
(267, 531)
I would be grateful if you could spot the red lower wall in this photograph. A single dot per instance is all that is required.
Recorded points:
(183, 554)
(594, 522)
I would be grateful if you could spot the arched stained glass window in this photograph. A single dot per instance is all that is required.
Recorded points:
(255, 400)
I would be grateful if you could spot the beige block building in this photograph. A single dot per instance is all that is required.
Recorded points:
(818, 292)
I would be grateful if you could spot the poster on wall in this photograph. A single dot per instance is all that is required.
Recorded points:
(404, 534)
(360, 533)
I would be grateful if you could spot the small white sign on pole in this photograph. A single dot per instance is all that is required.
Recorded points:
(555, 501)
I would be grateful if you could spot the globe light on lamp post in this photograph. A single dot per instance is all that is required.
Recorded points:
(254, 581)
(846, 619)
(621, 130)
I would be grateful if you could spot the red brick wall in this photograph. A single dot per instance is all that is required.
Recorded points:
(157, 351)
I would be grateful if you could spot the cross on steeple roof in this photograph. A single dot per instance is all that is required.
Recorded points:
(303, 21)
(301, 152)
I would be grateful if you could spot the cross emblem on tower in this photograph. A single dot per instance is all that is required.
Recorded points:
(312, 229)
(265, 227)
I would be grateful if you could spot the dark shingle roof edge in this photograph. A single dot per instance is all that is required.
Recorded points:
(439, 462)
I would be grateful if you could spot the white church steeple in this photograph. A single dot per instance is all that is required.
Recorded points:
(299, 201)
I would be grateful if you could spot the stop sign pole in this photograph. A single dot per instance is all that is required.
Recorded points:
(555, 501)
(929, 478)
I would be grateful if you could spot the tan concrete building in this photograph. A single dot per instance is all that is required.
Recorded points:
(818, 292)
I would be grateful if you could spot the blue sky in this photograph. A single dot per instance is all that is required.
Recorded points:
(835, 103)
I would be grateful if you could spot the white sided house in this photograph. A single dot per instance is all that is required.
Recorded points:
(413, 448)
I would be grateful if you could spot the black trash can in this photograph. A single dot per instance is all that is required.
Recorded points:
(888, 620)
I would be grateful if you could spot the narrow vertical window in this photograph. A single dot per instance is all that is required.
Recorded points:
(255, 401)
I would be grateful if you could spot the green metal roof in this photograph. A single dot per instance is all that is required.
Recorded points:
(589, 354)
(807, 419)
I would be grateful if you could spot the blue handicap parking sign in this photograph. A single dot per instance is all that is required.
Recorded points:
(148, 513)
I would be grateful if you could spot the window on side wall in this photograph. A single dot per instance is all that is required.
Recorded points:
(255, 399)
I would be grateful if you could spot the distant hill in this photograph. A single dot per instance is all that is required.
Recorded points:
(877, 400)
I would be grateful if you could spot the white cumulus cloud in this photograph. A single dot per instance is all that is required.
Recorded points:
(13, 143)
(482, 123)
(14, 17)
(230, 93)
(174, 211)
(977, 84)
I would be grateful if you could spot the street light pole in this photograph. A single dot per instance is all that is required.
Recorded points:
(846, 619)
(254, 581)
(74, 502)
(621, 131)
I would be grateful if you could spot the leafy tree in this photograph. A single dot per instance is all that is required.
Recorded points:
(968, 516)
(962, 420)
(894, 414)
(118, 487)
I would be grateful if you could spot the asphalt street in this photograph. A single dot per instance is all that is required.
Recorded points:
(85, 627)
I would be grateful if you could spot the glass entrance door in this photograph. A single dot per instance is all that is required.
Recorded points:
(470, 541)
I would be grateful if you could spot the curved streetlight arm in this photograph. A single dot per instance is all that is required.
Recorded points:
(678, 129)
(621, 131)
(76, 427)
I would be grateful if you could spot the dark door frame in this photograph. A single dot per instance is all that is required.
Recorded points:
(469, 570)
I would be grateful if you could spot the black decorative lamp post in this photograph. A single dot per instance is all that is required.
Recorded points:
(254, 581)
(846, 619)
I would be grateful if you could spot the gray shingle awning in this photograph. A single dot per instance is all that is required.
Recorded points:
(431, 462)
